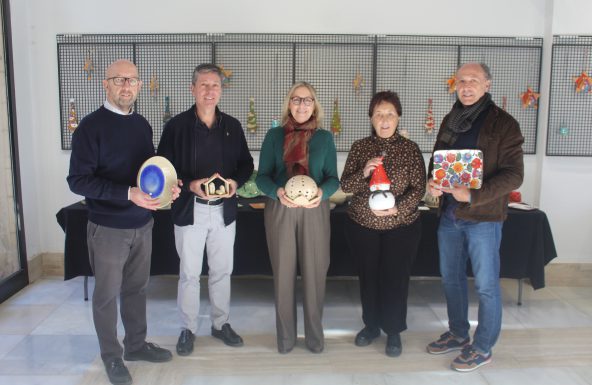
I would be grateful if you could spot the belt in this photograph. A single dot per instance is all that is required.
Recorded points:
(209, 202)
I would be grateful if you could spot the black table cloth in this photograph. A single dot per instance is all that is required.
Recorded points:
(527, 245)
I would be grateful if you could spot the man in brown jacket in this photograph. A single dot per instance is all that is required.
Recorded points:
(471, 220)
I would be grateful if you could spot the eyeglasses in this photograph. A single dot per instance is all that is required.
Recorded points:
(384, 116)
(296, 100)
(120, 80)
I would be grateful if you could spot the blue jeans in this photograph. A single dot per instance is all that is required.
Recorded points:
(459, 240)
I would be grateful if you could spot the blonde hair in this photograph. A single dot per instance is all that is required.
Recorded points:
(317, 112)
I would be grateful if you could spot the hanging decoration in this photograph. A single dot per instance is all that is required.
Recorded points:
(530, 98)
(226, 76)
(429, 123)
(89, 67)
(252, 117)
(583, 83)
(154, 85)
(336, 119)
(275, 122)
(451, 82)
(504, 103)
(72, 116)
(358, 82)
(167, 110)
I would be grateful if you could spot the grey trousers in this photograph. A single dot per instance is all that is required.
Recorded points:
(208, 231)
(120, 261)
(298, 236)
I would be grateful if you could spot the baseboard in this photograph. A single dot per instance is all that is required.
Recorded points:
(46, 265)
(556, 274)
(568, 274)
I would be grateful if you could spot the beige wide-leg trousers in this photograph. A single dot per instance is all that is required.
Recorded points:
(298, 236)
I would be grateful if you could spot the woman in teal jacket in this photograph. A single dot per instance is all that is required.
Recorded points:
(298, 234)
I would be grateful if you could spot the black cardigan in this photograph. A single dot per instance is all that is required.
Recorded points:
(177, 144)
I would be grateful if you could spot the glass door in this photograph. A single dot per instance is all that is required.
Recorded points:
(13, 261)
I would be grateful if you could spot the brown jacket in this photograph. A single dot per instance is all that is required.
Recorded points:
(501, 141)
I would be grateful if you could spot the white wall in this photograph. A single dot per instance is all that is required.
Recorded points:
(44, 165)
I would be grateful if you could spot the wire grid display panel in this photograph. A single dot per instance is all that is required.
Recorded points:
(418, 73)
(166, 70)
(261, 71)
(344, 68)
(513, 70)
(343, 74)
(85, 88)
(570, 113)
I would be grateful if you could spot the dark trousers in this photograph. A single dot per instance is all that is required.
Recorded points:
(384, 260)
(120, 260)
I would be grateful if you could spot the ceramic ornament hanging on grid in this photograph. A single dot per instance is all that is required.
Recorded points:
(252, 117)
(429, 123)
(583, 83)
(451, 83)
(530, 98)
(89, 67)
(72, 116)
(154, 85)
(336, 118)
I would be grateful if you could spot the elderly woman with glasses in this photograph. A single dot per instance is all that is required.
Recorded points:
(298, 235)
(384, 242)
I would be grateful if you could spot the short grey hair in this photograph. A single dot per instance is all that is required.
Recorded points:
(204, 69)
(486, 71)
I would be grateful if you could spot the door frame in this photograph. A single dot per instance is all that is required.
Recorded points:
(19, 279)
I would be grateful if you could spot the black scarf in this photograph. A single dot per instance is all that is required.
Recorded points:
(461, 118)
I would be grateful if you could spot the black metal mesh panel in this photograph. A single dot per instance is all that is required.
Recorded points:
(332, 69)
(262, 71)
(513, 70)
(418, 73)
(170, 66)
(570, 112)
(349, 68)
(84, 87)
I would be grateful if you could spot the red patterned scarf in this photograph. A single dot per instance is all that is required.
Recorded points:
(296, 138)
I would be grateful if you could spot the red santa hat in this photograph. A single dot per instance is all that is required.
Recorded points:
(379, 180)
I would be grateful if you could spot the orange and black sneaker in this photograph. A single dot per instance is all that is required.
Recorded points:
(470, 359)
(447, 342)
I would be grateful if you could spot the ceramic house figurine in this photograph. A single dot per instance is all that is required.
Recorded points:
(381, 198)
(216, 186)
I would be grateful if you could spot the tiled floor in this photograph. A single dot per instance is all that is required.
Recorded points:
(47, 337)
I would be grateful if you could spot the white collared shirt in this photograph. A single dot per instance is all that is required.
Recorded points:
(112, 108)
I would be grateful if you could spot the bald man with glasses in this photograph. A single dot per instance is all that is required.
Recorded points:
(108, 148)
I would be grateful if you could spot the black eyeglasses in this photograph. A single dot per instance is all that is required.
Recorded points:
(120, 80)
(296, 100)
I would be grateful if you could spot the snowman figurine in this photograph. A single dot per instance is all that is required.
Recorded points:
(381, 198)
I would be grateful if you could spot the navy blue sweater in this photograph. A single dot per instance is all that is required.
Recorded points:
(108, 150)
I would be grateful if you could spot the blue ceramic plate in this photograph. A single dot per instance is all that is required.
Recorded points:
(156, 177)
(152, 180)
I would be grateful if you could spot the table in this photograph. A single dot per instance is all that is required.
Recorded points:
(527, 245)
